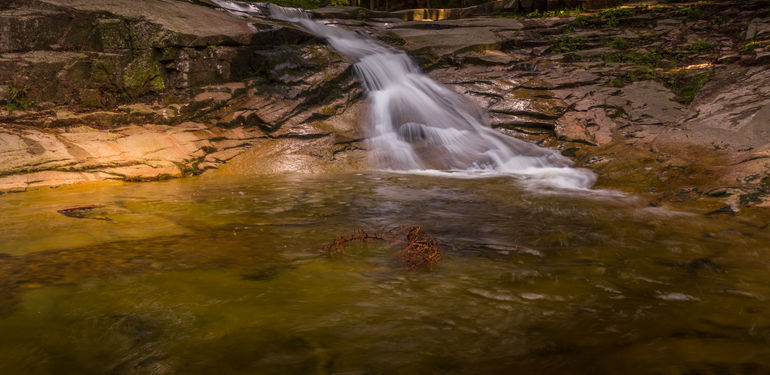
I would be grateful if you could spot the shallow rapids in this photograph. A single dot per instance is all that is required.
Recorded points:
(417, 125)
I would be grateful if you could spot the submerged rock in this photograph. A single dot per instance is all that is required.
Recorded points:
(85, 212)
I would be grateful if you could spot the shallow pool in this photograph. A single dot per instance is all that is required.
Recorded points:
(213, 275)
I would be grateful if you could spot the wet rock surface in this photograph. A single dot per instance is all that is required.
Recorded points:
(656, 97)
(662, 98)
(124, 91)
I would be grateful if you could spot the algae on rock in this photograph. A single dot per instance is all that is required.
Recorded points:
(143, 74)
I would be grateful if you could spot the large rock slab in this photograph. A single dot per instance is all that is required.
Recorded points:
(732, 115)
(304, 156)
(99, 53)
(730, 123)
(647, 103)
(447, 41)
(183, 23)
(31, 157)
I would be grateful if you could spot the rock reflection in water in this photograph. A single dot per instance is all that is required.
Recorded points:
(531, 282)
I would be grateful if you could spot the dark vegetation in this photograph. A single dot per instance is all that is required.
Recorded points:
(683, 65)
(388, 5)
(541, 14)
(311, 4)
(16, 100)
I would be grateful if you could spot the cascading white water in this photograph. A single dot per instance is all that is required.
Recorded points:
(416, 124)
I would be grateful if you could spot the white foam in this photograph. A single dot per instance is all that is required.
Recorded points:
(416, 125)
(677, 297)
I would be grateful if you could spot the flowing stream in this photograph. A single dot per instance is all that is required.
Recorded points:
(218, 274)
(417, 125)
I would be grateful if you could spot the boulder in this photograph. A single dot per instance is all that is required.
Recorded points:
(759, 28)
(57, 49)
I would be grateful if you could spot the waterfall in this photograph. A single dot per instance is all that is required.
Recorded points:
(415, 124)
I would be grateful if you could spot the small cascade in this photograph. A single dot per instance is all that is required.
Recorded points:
(417, 125)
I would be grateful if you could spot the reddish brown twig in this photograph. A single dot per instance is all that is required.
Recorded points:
(417, 248)
(338, 246)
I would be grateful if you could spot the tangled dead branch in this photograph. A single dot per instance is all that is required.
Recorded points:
(416, 248)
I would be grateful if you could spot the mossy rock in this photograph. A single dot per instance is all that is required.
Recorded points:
(169, 54)
(79, 35)
(103, 71)
(80, 71)
(111, 34)
(142, 75)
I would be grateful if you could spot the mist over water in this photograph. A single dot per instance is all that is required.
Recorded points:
(415, 124)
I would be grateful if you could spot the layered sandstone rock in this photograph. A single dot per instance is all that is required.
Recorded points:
(663, 98)
(117, 90)
(667, 98)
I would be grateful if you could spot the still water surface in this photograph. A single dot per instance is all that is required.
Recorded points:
(200, 276)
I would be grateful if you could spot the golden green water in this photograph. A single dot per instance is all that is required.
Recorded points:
(201, 276)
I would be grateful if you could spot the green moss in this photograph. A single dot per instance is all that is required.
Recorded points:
(614, 13)
(619, 81)
(691, 14)
(687, 86)
(78, 72)
(157, 83)
(647, 59)
(614, 16)
(749, 47)
(17, 100)
(615, 112)
(701, 46)
(310, 4)
(565, 12)
(168, 54)
(111, 34)
(647, 37)
(555, 13)
(642, 58)
(612, 57)
(643, 73)
(619, 43)
(580, 22)
(143, 74)
(569, 44)
(103, 71)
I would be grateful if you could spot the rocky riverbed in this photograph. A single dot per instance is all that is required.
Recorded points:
(671, 100)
